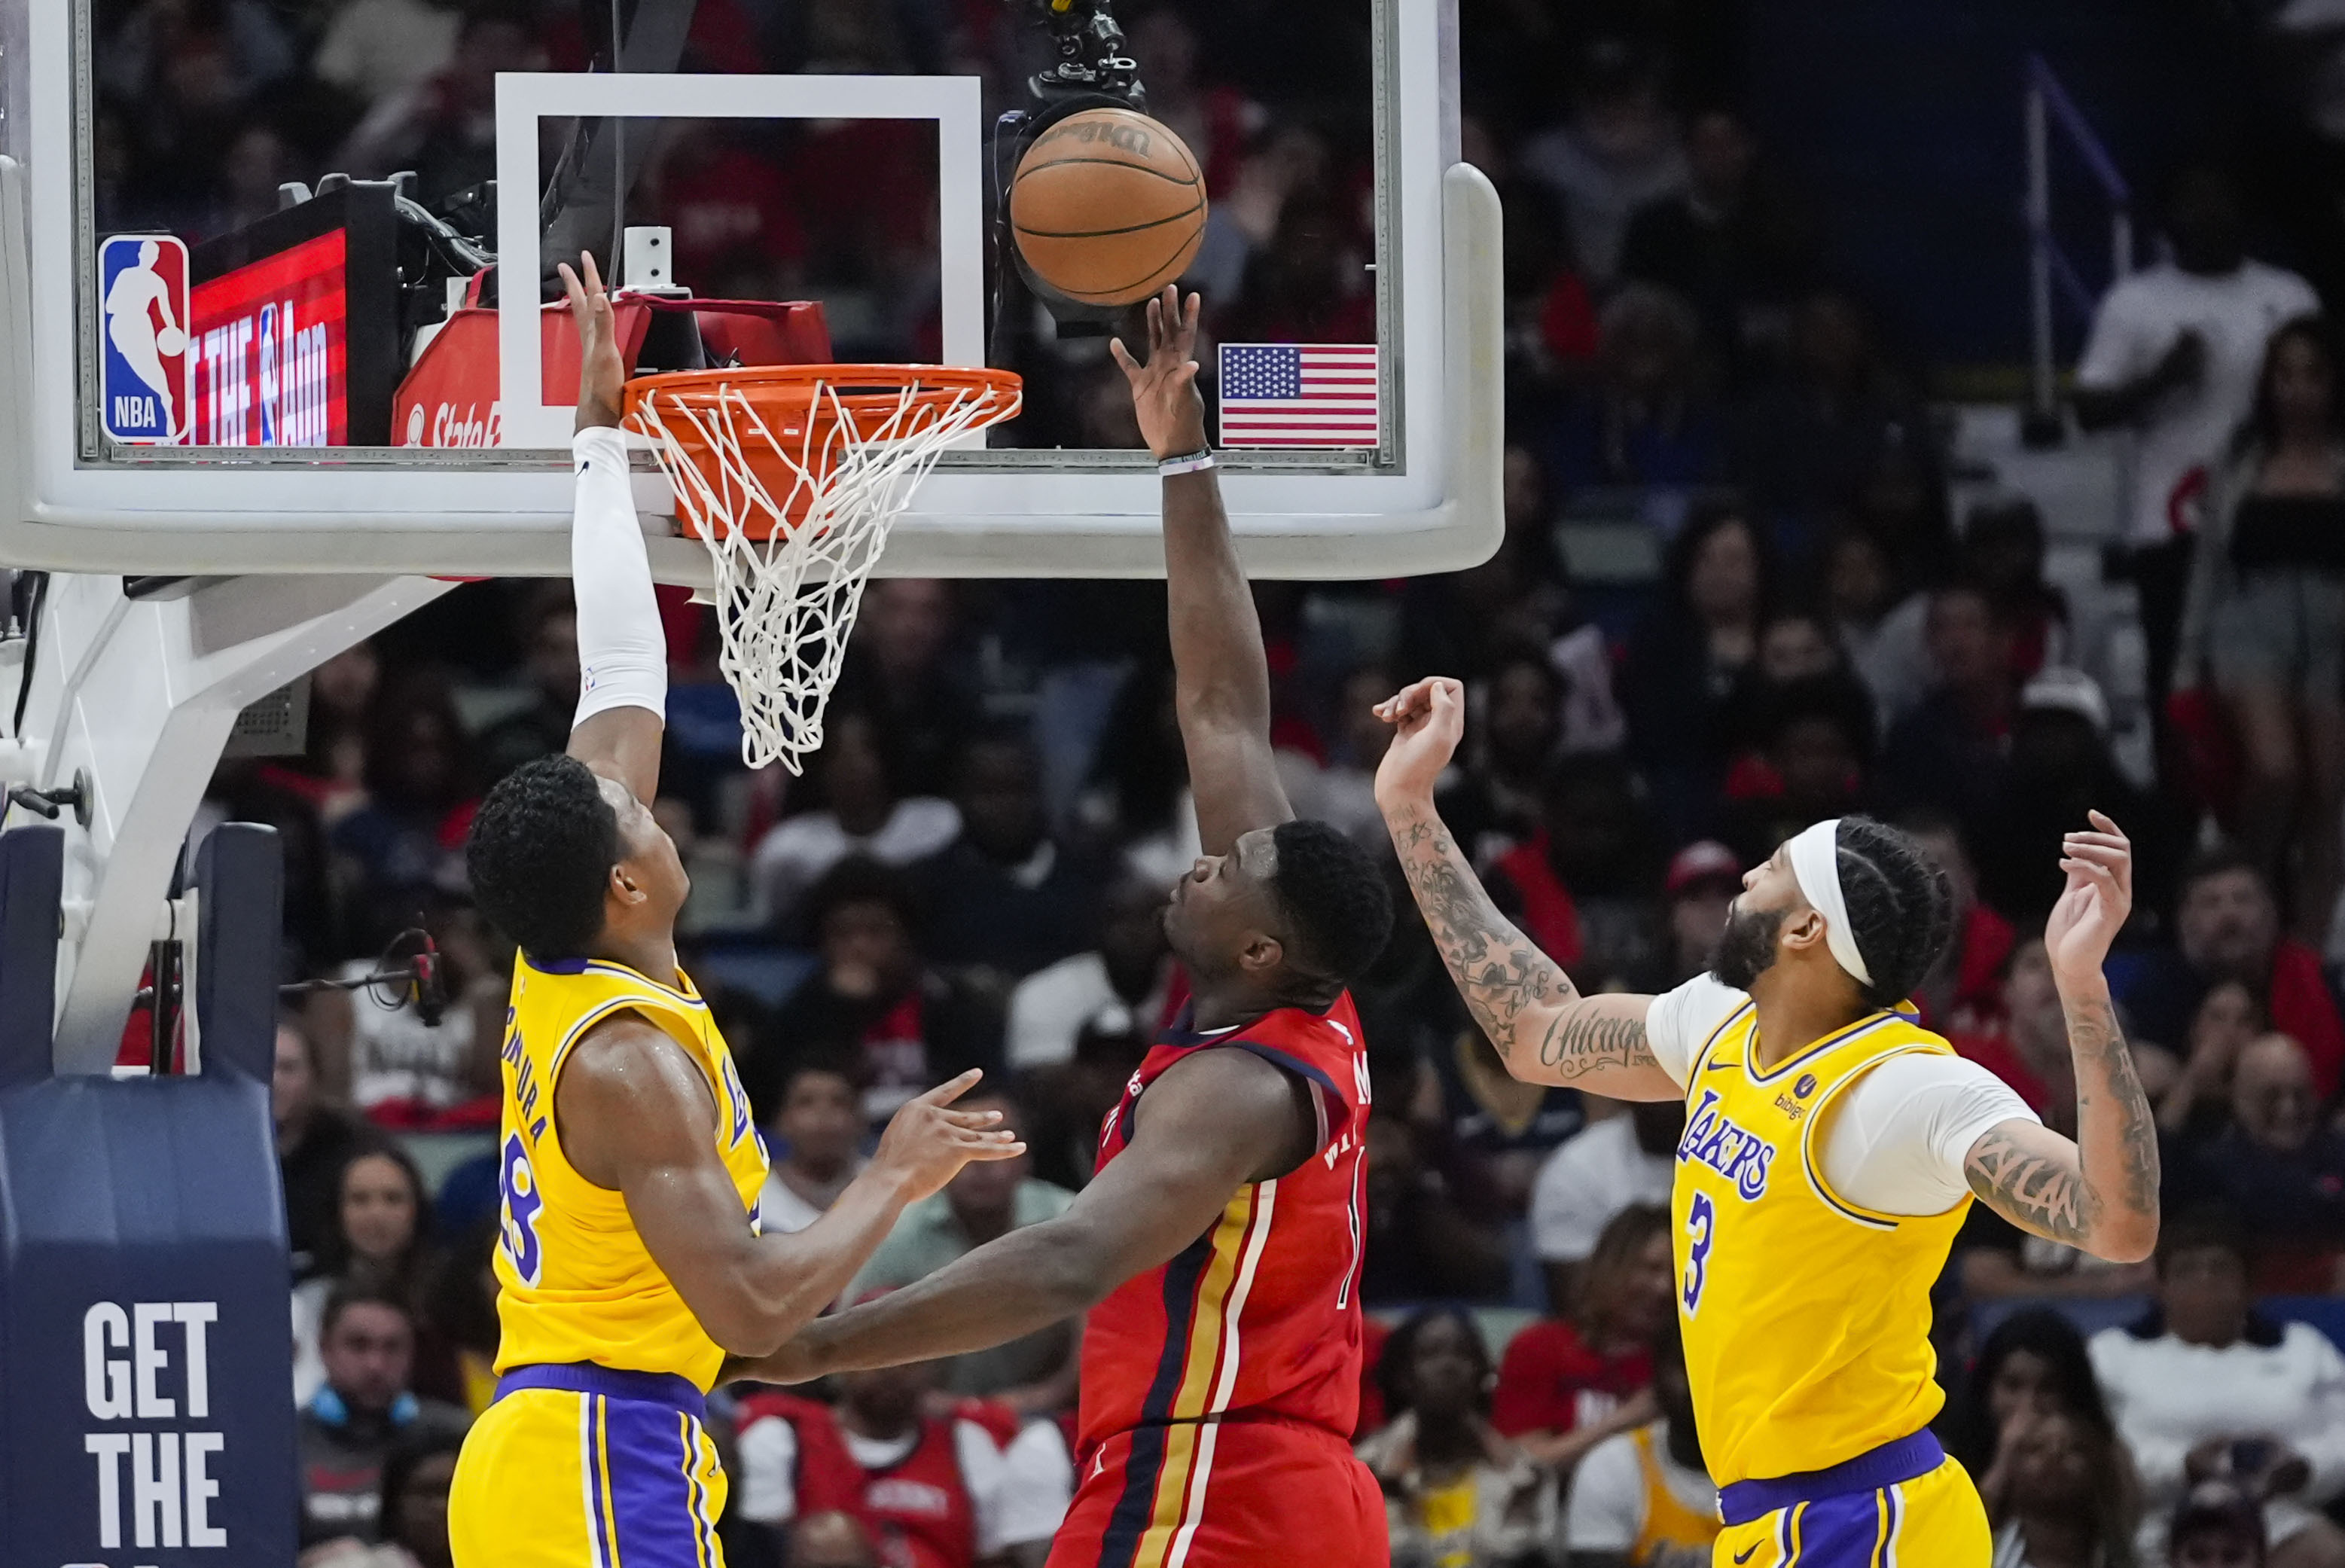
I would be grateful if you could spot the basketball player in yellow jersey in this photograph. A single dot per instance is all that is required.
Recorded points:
(1831, 1147)
(631, 1262)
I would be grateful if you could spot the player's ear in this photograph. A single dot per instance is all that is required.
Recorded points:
(624, 888)
(1804, 930)
(1262, 953)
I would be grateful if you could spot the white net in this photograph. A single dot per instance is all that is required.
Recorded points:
(823, 479)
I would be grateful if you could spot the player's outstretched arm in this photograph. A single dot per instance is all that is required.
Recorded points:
(2100, 1192)
(622, 650)
(637, 1117)
(1221, 678)
(1212, 1124)
(1546, 1031)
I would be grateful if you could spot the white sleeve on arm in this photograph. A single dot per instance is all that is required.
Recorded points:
(764, 1486)
(1901, 1135)
(622, 650)
(2320, 1437)
(1679, 1022)
(2116, 349)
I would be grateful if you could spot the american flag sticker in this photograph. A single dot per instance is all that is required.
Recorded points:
(1298, 394)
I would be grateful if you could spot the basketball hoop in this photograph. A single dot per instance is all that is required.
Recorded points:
(792, 475)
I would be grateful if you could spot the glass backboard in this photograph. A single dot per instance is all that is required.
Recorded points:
(278, 299)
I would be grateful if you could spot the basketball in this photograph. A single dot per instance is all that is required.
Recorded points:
(171, 341)
(1108, 207)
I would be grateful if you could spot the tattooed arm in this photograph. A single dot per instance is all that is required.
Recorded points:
(2100, 1192)
(1546, 1031)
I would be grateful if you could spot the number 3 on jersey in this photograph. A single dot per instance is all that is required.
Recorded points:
(518, 1184)
(1701, 1222)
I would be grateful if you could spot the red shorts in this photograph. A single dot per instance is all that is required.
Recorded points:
(1223, 1494)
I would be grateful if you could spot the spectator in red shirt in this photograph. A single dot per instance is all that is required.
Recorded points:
(1566, 1385)
(933, 1490)
(2025, 1041)
(2226, 927)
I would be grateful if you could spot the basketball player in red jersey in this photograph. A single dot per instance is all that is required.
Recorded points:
(1218, 1248)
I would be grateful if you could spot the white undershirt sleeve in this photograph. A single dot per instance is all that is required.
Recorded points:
(622, 650)
(1680, 1020)
(1898, 1139)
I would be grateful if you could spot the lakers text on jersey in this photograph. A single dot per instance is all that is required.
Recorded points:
(1807, 1318)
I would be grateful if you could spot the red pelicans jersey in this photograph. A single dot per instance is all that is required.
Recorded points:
(1259, 1317)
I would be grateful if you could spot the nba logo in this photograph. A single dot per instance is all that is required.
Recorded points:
(146, 384)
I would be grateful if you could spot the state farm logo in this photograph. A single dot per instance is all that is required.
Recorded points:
(452, 424)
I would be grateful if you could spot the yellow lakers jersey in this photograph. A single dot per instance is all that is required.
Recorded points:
(576, 1281)
(1806, 1318)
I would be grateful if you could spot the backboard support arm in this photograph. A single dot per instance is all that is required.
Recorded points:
(136, 698)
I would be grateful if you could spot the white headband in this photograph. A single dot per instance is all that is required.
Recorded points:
(1814, 854)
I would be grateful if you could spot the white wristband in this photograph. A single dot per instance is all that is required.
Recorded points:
(1188, 464)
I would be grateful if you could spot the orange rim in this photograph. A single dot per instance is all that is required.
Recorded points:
(857, 388)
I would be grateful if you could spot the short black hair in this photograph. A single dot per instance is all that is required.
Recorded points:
(1900, 906)
(2218, 860)
(360, 1293)
(1836, 698)
(859, 879)
(2050, 1338)
(829, 1060)
(539, 856)
(1338, 910)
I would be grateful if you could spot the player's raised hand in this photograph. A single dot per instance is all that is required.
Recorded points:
(602, 373)
(1428, 719)
(1164, 391)
(2095, 905)
(927, 1143)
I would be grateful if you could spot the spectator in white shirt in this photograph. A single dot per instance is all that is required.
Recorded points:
(861, 815)
(1643, 1497)
(2174, 355)
(818, 1125)
(1594, 1174)
(1128, 969)
(1620, 151)
(2207, 1390)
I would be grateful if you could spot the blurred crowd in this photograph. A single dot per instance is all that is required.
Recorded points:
(970, 870)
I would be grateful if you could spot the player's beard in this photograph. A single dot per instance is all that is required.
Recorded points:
(1746, 948)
